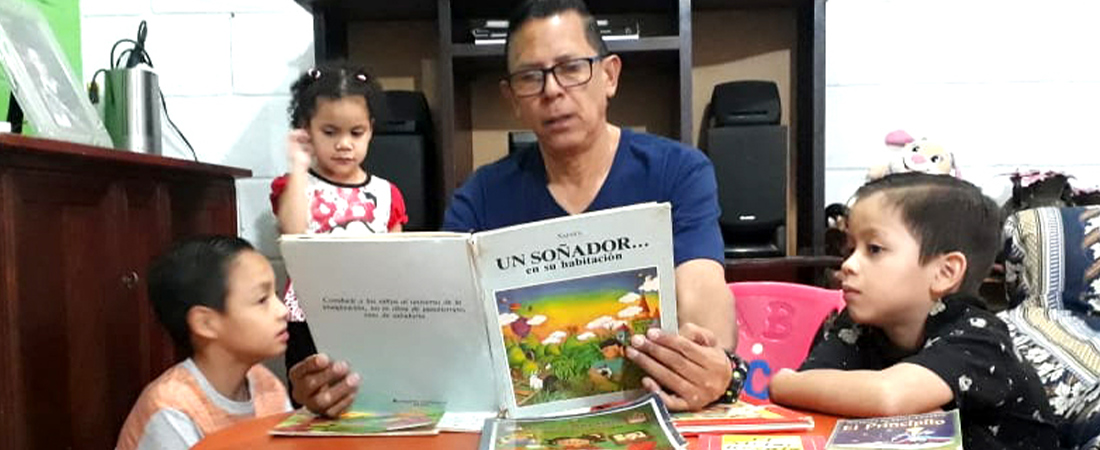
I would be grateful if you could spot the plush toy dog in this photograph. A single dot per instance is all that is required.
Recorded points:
(911, 155)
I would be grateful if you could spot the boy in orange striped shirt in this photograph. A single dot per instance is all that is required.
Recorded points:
(216, 296)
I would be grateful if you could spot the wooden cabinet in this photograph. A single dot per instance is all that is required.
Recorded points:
(78, 228)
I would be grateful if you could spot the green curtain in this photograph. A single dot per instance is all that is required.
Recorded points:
(64, 19)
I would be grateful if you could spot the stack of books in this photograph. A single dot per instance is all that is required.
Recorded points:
(493, 31)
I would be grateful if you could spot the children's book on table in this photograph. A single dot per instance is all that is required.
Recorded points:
(742, 417)
(531, 319)
(643, 424)
(408, 420)
(760, 442)
(932, 431)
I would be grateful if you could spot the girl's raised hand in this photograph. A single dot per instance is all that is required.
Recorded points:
(299, 150)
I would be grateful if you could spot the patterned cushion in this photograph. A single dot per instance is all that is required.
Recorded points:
(1052, 259)
(1065, 352)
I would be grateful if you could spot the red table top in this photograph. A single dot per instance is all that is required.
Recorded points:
(253, 434)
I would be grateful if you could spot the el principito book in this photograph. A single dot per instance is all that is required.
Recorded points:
(531, 319)
(931, 431)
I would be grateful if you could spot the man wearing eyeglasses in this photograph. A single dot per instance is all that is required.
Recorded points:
(560, 79)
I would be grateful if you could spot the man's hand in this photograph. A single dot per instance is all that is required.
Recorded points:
(323, 386)
(689, 371)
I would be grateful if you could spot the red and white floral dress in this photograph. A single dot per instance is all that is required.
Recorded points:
(373, 206)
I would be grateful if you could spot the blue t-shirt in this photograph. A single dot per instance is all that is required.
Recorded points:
(646, 168)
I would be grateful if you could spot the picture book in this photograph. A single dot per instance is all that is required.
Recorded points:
(741, 417)
(639, 425)
(932, 431)
(414, 420)
(532, 319)
(759, 442)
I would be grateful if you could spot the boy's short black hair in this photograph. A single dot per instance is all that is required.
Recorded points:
(333, 80)
(191, 273)
(540, 9)
(945, 214)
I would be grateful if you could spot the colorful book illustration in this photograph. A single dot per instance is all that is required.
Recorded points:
(417, 420)
(932, 431)
(639, 425)
(742, 417)
(759, 442)
(532, 319)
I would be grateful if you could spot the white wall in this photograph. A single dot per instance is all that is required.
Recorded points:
(225, 69)
(1003, 84)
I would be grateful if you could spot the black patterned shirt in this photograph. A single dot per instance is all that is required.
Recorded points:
(1000, 399)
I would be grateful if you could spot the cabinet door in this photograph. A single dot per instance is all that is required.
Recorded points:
(203, 207)
(148, 234)
(75, 359)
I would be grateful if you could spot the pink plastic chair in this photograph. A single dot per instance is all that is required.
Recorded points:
(776, 325)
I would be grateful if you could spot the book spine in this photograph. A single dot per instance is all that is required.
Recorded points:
(491, 325)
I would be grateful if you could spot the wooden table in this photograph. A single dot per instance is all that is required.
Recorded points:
(253, 434)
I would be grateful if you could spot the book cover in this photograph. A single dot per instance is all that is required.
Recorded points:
(640, 425)
(759, 442)
(564, 297)
(741, 417)
(932, 431)
(531, 319)
(414, 420)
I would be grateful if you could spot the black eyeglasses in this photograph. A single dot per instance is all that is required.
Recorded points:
(532, 82)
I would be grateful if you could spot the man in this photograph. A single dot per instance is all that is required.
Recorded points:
(560, 80)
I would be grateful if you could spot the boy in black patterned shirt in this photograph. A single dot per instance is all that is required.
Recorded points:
(914, 336)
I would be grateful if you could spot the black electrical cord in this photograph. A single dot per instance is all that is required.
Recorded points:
(164, 105)
(136, 55)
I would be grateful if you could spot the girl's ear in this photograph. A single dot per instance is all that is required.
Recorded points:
(949, 273)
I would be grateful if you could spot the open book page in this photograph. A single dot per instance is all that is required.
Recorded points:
(402, 309)
(565, 296)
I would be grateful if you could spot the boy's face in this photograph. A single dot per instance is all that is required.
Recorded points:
(884, 283)
(253, 325)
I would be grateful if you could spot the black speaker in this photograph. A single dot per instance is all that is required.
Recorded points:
(738, 103)
(750, 163)
(403, 152)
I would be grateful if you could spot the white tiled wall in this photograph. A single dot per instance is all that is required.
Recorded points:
(225, 68)
(1003, 84)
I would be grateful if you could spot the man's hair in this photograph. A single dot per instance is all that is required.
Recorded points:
(945, 214)
(530, 10)
(192, 273)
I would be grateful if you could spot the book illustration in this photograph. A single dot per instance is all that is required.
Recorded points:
(420, 419)
(741, 417)
(939, 430)
(567, 338)
(760, 442)
(639, 425)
